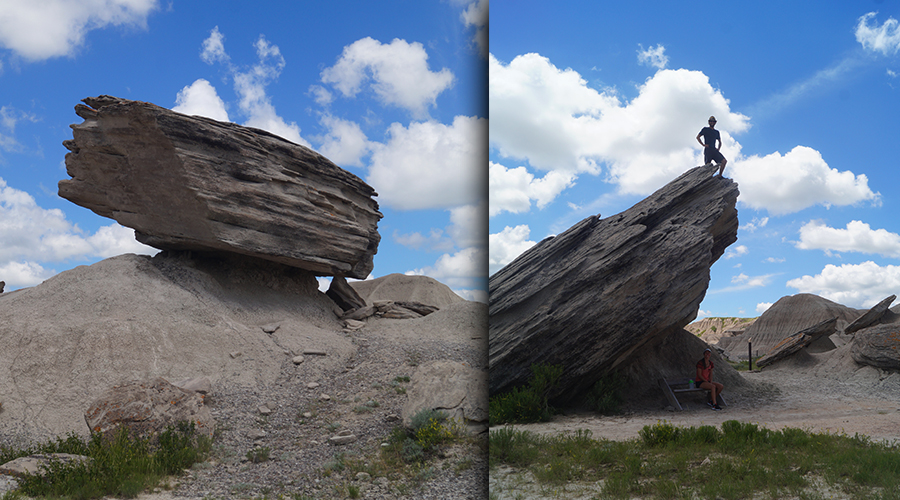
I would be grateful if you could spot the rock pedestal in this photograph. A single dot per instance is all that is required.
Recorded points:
(591, 297)
(193, 183)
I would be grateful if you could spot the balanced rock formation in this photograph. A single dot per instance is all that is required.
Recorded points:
(786, 317)
(590, 298)
(193, 183)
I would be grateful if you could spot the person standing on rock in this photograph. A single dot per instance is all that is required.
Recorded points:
(710, 150)
(704, 379)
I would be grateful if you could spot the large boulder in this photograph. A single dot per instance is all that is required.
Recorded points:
(457, 390)
(591, 297)
(878, 346)
(787, 316)
(193, 183)
(147, 408)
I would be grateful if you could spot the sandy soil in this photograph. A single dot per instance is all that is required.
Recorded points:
(821, 406)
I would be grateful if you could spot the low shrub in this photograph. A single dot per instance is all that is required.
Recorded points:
(529, 403)
(605, 397)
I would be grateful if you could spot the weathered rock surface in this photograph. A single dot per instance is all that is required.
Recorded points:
(593, 295)
(344, 295)
(146, 408)
(871, 316)
(403, 288)
(797, 341)
(458, 390)
(192, 183)
(878, 346)
(787, 316)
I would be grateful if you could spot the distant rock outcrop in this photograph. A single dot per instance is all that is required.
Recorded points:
(786, 317)
(193, 183)
(404, 288)
(592, 297)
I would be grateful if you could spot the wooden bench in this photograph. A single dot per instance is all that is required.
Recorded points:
(670, 387)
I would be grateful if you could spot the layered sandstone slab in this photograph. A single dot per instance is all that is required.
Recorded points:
(597, 296)
(193, 183)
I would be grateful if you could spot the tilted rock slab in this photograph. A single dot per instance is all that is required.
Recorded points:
(193, 183)
(871, 316)
(878, 346)
(590, 297)
(797, 342)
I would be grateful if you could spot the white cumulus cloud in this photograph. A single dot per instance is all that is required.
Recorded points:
(30, 234)
(513, 189)
(345, 143)
(42, 29)
(430, 164)
(853, 285)
(476, 15)
(506, 245)
(464, 269)
(397, 72)
(763, 307)
(783, 184)
(554, 120)
(736, 251)
(856, 237)
(884, 38)
(653, 56)
(201, 99)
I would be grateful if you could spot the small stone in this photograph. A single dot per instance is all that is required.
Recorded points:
(307, 414)
(255, 434)
(297, 360)
(312, 385)
(393, 417)
(352, 324)
(363, 476)
(264, 410)
(342, 438)
(270, 329)
(325, 397)
(235, 354)
(314, 352)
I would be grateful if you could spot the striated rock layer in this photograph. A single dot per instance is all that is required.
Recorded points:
(592, 297)
(193, 183)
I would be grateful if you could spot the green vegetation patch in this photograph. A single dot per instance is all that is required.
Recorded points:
(738, 460)
(121, 465)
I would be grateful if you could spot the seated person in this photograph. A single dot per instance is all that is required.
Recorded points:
(704, 379)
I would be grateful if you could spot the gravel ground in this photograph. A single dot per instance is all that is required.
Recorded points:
(312, 401)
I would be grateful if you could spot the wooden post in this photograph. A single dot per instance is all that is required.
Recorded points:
(750, 352)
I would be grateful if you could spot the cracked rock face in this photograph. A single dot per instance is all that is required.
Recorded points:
(592, 297)
(192, 183)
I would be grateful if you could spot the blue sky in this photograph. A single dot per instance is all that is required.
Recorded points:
(594, 105)
(391, 91)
